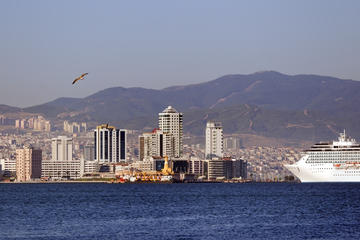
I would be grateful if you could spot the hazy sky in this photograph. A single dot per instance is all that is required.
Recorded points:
(44, 45)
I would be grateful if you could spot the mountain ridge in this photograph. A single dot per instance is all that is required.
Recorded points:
(243, 81)
(272, 92)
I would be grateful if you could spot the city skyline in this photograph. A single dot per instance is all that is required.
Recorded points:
(145, 44)
(199, 119)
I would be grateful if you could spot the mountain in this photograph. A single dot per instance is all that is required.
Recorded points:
(285, 124)
(8, 109)
(277, 95)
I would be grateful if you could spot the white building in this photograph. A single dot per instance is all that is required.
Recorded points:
(60, 169)
(214, 140)
(88, 167)
(8, 164)
(61, 148)
(147, 164)
(110, 144)
(156, 143)
(75, 127)
(171, 121)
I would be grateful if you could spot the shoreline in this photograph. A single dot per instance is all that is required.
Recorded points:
(109, 182)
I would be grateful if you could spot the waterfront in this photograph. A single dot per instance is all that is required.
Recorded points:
(180, 211)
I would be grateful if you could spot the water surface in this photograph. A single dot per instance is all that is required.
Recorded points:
(180, 211)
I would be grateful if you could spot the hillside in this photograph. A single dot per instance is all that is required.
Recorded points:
(280, 100)
(8, 109)
(267, 89)
(250, 119)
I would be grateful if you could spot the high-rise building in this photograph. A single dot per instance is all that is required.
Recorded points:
(23, 124)
(110, 144)
(171, 121)
(61, 148)
(28, 164)
(75, 127)
(89, 151)
(6, 121)
(214, 140)
(156, 144)
(17, 123)
(47, 126)
(37, 123)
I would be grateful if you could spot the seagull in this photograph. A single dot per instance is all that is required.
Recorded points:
(79, 78)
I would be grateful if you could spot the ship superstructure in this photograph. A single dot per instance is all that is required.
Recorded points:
(337, 161)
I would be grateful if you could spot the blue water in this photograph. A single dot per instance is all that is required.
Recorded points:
(180, 211)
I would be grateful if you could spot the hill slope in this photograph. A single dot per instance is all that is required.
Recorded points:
(277, 97)
(267, 89)
(304, 125)
(8, 109)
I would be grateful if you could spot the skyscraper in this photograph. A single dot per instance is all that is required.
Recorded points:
(28, 164)
(156, 144)
(110, 144)
(171, 121)
(61, 148)
(214, 140)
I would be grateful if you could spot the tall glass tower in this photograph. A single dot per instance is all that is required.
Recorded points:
(110, 144)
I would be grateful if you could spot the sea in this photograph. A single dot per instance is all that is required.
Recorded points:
(180, 211)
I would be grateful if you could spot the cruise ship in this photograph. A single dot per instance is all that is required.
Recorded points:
(337, 161)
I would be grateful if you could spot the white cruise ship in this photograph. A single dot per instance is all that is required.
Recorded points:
(337, 161)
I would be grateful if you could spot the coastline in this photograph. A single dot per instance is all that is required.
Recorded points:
(165, 182)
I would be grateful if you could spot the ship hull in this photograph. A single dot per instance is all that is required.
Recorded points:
(338, 161)
(325, 172)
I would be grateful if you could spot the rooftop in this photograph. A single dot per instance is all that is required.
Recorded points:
(170, 109)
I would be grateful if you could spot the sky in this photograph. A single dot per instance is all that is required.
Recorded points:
(45, 44)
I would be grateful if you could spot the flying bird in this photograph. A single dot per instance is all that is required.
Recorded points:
(79, 78)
